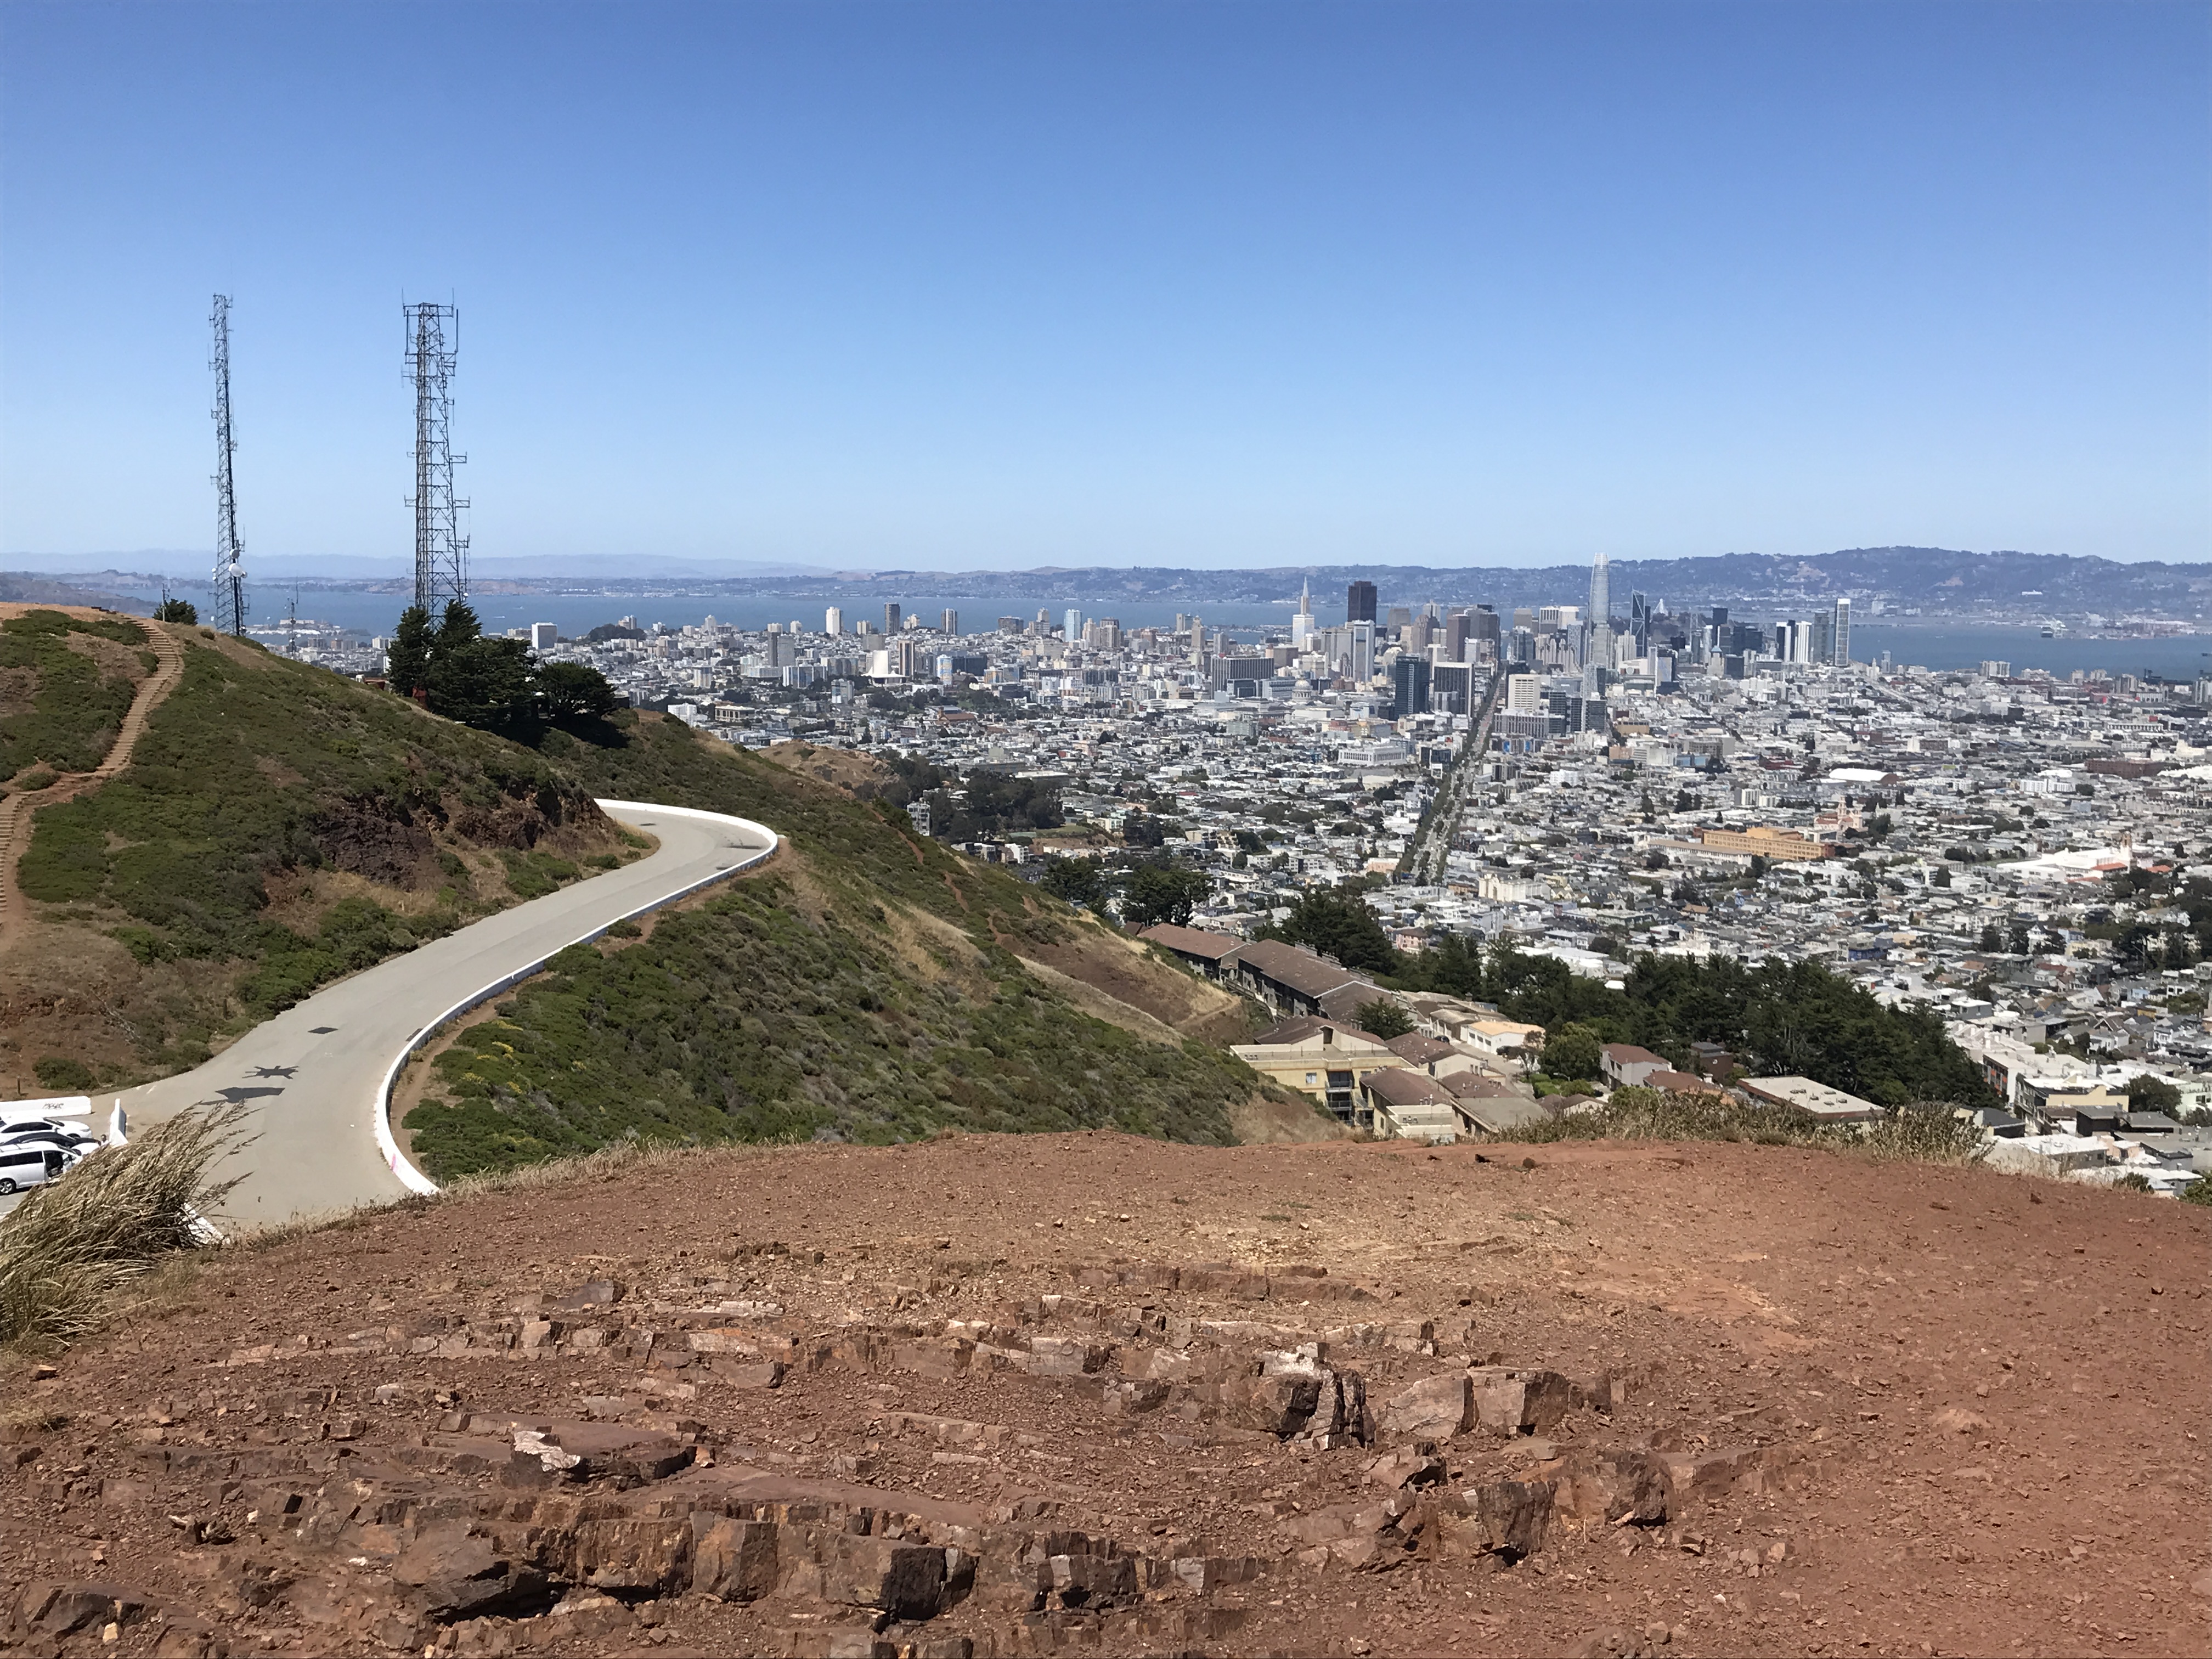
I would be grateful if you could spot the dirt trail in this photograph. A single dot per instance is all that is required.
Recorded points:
(17, 809)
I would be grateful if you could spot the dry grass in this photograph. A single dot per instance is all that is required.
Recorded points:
(68, 1249)
(1926, 1134)
(606, 1164)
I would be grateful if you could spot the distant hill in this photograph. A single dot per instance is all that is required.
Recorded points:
(26, 587)
(192, 564)
(1936, 580)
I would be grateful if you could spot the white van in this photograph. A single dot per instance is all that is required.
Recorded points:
(31, 1163)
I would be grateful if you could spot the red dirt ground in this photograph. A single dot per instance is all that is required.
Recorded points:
(1971, 1404)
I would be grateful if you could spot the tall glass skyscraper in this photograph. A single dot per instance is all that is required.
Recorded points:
(1600, 605)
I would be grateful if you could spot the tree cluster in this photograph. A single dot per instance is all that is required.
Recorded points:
(988, 805)
(494, 684)
(1777, 1017)
(1336, 921)
(1150, 893)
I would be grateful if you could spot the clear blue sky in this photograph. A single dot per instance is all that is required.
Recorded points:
(959, 286)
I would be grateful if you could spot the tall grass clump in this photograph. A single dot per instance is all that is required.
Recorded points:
(70, 1247)
(1926, 1132)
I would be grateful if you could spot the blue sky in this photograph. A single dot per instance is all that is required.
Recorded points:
(963, 286)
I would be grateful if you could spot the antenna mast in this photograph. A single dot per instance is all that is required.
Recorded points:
(434, 338)
(228, 581)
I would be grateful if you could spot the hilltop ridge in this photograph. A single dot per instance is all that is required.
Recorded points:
(276, 827)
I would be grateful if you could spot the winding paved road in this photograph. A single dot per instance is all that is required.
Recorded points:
(315, 1076)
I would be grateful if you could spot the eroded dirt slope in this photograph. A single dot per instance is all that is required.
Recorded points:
(1090, 1393)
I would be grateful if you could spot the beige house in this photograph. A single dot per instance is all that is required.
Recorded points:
(1404, 1104)
(1434, 1055)
(1496, 1036)
(1322, 1058)
(1764, 840)
(1815, 1100)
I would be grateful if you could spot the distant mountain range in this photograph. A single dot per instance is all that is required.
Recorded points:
(1936, 582)
(1933, 580)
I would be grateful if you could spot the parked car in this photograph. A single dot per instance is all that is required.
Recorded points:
(69, 1134)
(52, 1106)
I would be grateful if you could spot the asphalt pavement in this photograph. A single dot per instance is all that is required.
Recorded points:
(312, 1077)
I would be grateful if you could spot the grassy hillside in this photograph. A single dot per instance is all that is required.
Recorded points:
(870, 848)
(65, 684)
(781, 1011)
(872, 988)
(278, 827)
(867, 845)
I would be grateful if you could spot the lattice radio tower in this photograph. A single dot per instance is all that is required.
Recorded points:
(433, 339)
(228, 581)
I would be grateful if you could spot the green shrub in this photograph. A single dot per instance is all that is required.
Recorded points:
(533, 875)
(62, 1073)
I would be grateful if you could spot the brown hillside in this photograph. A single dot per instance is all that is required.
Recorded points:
(861, 776)
(1095, 1394)
(1092, 952)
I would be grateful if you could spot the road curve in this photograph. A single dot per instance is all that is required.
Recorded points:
(315, 1076)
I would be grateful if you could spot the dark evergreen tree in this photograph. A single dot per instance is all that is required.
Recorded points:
(1335, 921)
(1571, 1052)
(407, 660)
(1385, 1017)
(1163, 892)
(569, 691)
(1078, 881)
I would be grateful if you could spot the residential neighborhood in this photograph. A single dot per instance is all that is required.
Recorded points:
(2027, 854)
